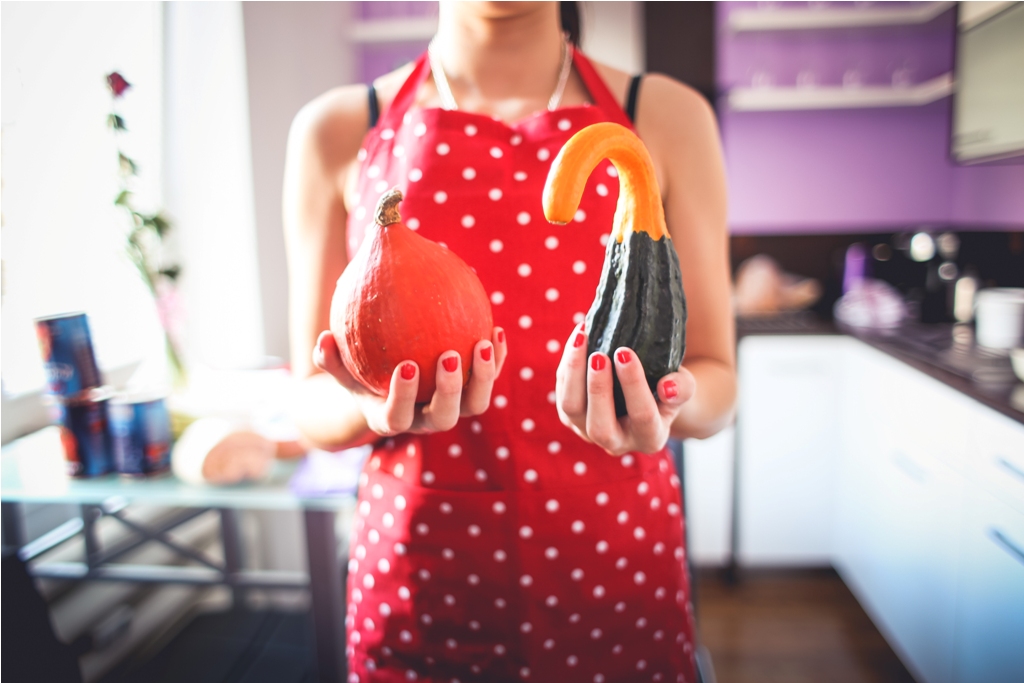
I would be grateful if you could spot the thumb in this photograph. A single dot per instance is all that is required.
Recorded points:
(327, 357)
(675, 389)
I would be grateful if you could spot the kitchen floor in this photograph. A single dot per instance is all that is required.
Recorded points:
(791, 626)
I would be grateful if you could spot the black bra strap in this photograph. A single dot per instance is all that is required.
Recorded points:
(371, 94)
(631, 99)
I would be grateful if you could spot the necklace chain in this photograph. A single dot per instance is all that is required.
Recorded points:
(444, 90)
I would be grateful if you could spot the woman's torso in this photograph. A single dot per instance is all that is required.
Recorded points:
(510, 521)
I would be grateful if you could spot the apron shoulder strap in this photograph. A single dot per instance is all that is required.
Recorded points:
(633, 97)
(598, 90)
(392, 116)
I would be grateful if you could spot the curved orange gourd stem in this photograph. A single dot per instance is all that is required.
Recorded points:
(639, 208)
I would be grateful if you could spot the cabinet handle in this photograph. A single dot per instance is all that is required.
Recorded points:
(1011, 467)
(909, 467)
(1006, 544)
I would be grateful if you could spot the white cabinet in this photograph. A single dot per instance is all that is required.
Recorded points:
(788, 423)
(929, 525)
(709, 482)
(995, 456)
(990, 618)
(990, 607)
(913, 491)
(898, 512)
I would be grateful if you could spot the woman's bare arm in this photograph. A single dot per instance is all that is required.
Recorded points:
(678, 127)
(322, 147)
(330, 408)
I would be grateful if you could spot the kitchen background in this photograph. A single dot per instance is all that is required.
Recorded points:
(836, 122)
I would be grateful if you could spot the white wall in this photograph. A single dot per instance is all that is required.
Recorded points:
(63, 238)
(613, 33)
(209, 189)
(294, 52)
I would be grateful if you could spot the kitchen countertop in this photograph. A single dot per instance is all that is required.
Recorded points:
(944, 352)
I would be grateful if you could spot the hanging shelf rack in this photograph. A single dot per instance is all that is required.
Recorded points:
(393, 30)
(829, 17)
(834, 97)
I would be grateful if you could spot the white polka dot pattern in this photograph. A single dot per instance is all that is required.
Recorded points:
(510, 508)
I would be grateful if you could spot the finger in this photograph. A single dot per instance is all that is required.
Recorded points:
(571, 381)
(396, 414)
(327, 357)
(500, 349)
(675, 389)
(647, 428)
(442, 412)
(477, 395)
(603, 427)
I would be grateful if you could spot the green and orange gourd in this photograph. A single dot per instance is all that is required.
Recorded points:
(640, 302)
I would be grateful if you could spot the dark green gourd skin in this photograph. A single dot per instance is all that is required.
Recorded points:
(640, 305)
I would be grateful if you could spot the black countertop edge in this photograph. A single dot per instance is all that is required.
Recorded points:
(1003, 398)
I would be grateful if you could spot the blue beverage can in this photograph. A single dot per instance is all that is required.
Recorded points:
(66, 346)
(85, 435)
(141, 430)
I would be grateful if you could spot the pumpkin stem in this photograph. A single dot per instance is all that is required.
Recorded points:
(639, 208)
(387, 208)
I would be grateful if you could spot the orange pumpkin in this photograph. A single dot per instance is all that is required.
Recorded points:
(404, 297)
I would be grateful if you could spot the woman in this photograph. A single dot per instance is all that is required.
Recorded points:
(492, 543)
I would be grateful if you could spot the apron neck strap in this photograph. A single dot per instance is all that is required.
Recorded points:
(407, 94)
(598, 90)
(421, 71)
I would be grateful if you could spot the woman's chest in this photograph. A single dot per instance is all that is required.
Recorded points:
(474, 185)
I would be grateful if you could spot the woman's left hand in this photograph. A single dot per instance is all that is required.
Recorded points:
(583, 396)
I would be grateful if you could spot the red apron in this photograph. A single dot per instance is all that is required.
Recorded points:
(508, 549)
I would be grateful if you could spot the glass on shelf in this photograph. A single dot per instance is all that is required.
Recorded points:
(807, 78)
(762, 78)
(853, 78)
(903, 74)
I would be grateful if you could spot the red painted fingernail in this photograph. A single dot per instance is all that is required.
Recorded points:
(485, 353)
(408, 370)
(450, 364)
(501, 336)
(623, 356)
(670, 389)
(578, 341)
(597, 362)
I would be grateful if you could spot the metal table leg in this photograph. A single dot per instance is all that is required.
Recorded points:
(90, 515)
(13, 528)
(232, 543)
(327, 594)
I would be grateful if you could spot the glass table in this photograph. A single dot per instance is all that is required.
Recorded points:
(32, 471)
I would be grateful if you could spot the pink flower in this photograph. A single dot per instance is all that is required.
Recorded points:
(117, 84)
(170, 311)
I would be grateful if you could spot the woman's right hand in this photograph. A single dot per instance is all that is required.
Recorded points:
(398, 412)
